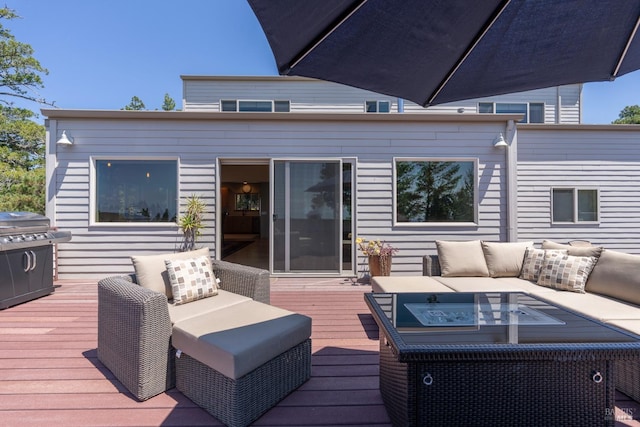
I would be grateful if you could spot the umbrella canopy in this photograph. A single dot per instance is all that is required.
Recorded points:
(437, 51)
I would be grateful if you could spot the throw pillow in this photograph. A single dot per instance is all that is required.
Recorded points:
(533, 260)
(617, 275)
(504, 259)
(461, 259)
(574, 250)
(191, 279)
(151, 271)
(565, 272)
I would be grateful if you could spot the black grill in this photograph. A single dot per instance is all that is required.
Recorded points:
(26, 256)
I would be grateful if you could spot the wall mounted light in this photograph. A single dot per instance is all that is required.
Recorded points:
(500, 142)
(64, 139)
(246, 188)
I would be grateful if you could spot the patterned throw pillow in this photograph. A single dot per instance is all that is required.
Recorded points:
(191, 279)
(533, 260)
(566, 272)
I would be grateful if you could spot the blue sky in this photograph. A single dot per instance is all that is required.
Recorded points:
(99, 54)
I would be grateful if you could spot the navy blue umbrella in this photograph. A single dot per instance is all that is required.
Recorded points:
(437, 51)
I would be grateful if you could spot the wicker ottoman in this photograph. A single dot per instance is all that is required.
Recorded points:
(240, 361)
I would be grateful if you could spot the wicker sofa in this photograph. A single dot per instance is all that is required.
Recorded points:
(610, 294)
(232, 354)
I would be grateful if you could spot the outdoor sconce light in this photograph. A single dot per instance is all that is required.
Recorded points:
(500, 142)
(246, 188)
(64, 139)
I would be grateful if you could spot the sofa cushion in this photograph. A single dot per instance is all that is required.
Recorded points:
(504, 259)
(617, 275)
(629, 325)
(391, 284)
(533, 260)
(565, 272)
(573, 250)
(151, 271)
(238, 339)
(461, 259)
(593, 305)
(489, 284)
(191, 279)
(181, 312)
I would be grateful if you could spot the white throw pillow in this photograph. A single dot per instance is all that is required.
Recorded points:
(504, 259)
(191, 279)
(461, 259)
(151, 271)
(565, 272)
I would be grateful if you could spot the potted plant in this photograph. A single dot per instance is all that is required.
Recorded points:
(191, 222)
(379, 256)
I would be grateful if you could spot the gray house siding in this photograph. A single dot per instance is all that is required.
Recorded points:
(199, 140)
(203, 93)
(606, 158)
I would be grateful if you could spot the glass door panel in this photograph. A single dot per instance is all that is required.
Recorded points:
(307, 227)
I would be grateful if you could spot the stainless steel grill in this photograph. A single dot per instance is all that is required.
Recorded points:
(26, 256)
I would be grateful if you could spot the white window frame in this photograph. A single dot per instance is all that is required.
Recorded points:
(378, 102)
(575, 191)
(528, 105)
(93, 192)
(476, 163)
(238, 101)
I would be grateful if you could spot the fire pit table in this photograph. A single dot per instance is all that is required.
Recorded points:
(495, 359)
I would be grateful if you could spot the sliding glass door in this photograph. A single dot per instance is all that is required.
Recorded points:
(307, 216)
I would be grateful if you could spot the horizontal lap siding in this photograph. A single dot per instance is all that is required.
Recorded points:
(102, 250)
(606, 160)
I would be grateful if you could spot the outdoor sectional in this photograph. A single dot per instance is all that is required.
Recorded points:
(230, 352)
(607, 290)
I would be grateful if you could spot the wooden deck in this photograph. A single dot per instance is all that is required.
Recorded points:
(50, 375)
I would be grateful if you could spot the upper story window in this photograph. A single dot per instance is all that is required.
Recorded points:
(377, 106)
(135, 191)
(533, 112)
(575, 205)
(277, 106)
(435, 191)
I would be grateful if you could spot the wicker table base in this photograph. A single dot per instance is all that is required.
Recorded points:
(523, 393)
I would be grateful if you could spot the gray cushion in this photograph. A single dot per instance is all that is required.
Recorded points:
(616, 274)
(238, 339)
(573, 250)
(151, 271)
(504, 259)
(461, 259)
(533, 260)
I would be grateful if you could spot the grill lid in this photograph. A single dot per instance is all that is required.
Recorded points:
(23, 219)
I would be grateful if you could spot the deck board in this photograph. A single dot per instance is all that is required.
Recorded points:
(50, 374)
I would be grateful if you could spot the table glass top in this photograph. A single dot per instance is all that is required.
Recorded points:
(487, 318)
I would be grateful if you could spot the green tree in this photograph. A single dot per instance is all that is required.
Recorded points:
(136, 104)
(20, 72)
(22, 182)
(169, 104)
(629, 115)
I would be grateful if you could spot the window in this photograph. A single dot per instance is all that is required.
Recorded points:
(575, 205)
(435, 191)
(377, 106)
(533, 112)
(255, 106)
(136, 190)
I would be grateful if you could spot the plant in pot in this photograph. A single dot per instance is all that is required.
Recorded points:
(378, 254)
(191, 222)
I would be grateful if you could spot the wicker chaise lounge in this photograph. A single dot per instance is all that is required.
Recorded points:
(138, 328)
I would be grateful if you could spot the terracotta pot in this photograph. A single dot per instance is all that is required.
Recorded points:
(379, 265)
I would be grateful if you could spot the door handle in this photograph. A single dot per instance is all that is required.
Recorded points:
(35, 260)
(28, 258)
(32, 261)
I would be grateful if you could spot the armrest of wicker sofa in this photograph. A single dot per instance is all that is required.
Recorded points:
(431, 266)
(243, 280)
(134, 333)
